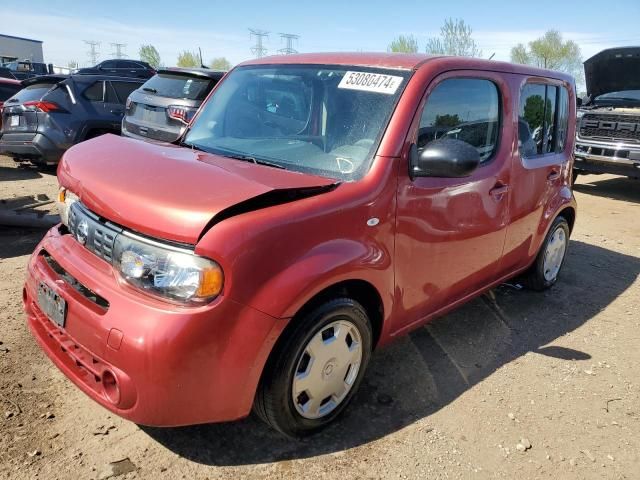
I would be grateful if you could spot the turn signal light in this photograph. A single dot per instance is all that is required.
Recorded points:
(178, 112)
(42, 106)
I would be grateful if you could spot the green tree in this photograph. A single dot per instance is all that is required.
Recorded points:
(534, 110)
(552, 52)
(220, 63)
(149, 54)
(447, 120)
(188, 59)
(455, 39)
(403, 44)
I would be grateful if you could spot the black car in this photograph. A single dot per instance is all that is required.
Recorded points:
(53, 112)
(26, 69)
(120, 68)
(161, 108)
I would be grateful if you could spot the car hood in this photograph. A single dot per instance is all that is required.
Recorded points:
(172, 192)
(613, 70)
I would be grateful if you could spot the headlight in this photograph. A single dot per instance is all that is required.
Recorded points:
(65, 200)
(580, 113)
(165, 271)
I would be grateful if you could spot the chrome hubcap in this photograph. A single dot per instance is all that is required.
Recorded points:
(554, 254)
(327, 369)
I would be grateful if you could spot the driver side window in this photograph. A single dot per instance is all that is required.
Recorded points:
(466, 109)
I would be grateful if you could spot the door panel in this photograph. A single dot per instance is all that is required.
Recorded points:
(451, 232)
(537, 167)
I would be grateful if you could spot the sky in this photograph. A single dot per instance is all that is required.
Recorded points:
(221, 28)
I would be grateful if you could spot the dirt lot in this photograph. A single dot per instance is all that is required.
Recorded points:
(555, 372)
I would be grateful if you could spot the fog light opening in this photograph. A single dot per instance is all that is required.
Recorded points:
(111, 387)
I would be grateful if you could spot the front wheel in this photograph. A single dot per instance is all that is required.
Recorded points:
(545, 270)
(316, 369)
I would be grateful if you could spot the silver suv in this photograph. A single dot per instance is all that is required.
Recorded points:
(162, 107)
(608, 133)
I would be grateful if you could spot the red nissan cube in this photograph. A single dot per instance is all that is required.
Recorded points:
(317, 207)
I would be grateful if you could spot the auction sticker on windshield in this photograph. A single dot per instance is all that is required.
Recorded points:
(370, 82)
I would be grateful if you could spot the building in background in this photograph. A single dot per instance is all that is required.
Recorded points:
(18, 48)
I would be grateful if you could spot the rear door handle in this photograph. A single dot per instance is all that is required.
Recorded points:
(498, 191)
(553, 175)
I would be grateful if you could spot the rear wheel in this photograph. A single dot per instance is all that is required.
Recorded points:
(316, 369)
(544, 272)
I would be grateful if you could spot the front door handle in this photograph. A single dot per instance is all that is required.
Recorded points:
(498, 191)
(553, 175)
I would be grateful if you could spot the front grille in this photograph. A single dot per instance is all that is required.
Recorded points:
(621, 128)
(73, 282)
(95, 234)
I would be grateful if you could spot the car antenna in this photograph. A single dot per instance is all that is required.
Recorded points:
(201, 62)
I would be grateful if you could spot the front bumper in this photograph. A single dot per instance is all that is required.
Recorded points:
(607, 157)
(30, 146)
(171, 365)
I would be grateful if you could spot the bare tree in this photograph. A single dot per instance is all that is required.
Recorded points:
(403, 44)
(455, 39)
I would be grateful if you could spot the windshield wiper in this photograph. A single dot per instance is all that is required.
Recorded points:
(149, 89)
(193, 146)
(235, 156)
(249, 158)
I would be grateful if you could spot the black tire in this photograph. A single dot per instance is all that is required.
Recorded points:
(274, 402)
(535, 278)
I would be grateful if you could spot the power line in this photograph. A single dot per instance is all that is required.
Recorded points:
(93, 53)
(289, 38)
(119, 47)
(259, 50)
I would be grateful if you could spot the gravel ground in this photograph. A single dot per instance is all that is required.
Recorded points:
(515, 384)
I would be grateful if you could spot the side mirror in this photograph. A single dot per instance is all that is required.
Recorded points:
(446, 157)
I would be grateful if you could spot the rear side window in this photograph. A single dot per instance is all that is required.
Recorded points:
(122, 91)
(95, 92)
(543, 119)
(128, 64)
(34, 92)
(8, 91)
(466, 109)
(184, 87)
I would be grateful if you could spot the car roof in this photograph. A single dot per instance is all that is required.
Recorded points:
(404, 61)
(92, 77)
(200, 72)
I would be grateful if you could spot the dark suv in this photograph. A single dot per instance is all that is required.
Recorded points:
(120, 68)
(8, 88)
(53, 112)
(161, 108)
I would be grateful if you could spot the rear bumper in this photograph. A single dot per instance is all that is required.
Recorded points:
(607, 157)
(31, 146)
(172, 365)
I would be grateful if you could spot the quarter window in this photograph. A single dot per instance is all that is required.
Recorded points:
(543, 119)
(123, 90)
(95, 92)
(466, 109)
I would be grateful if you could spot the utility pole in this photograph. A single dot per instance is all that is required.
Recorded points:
(259, 50)
(119, 47)
(289, 38)
(93, 51)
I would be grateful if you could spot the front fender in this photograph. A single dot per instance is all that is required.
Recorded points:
(321, 267)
